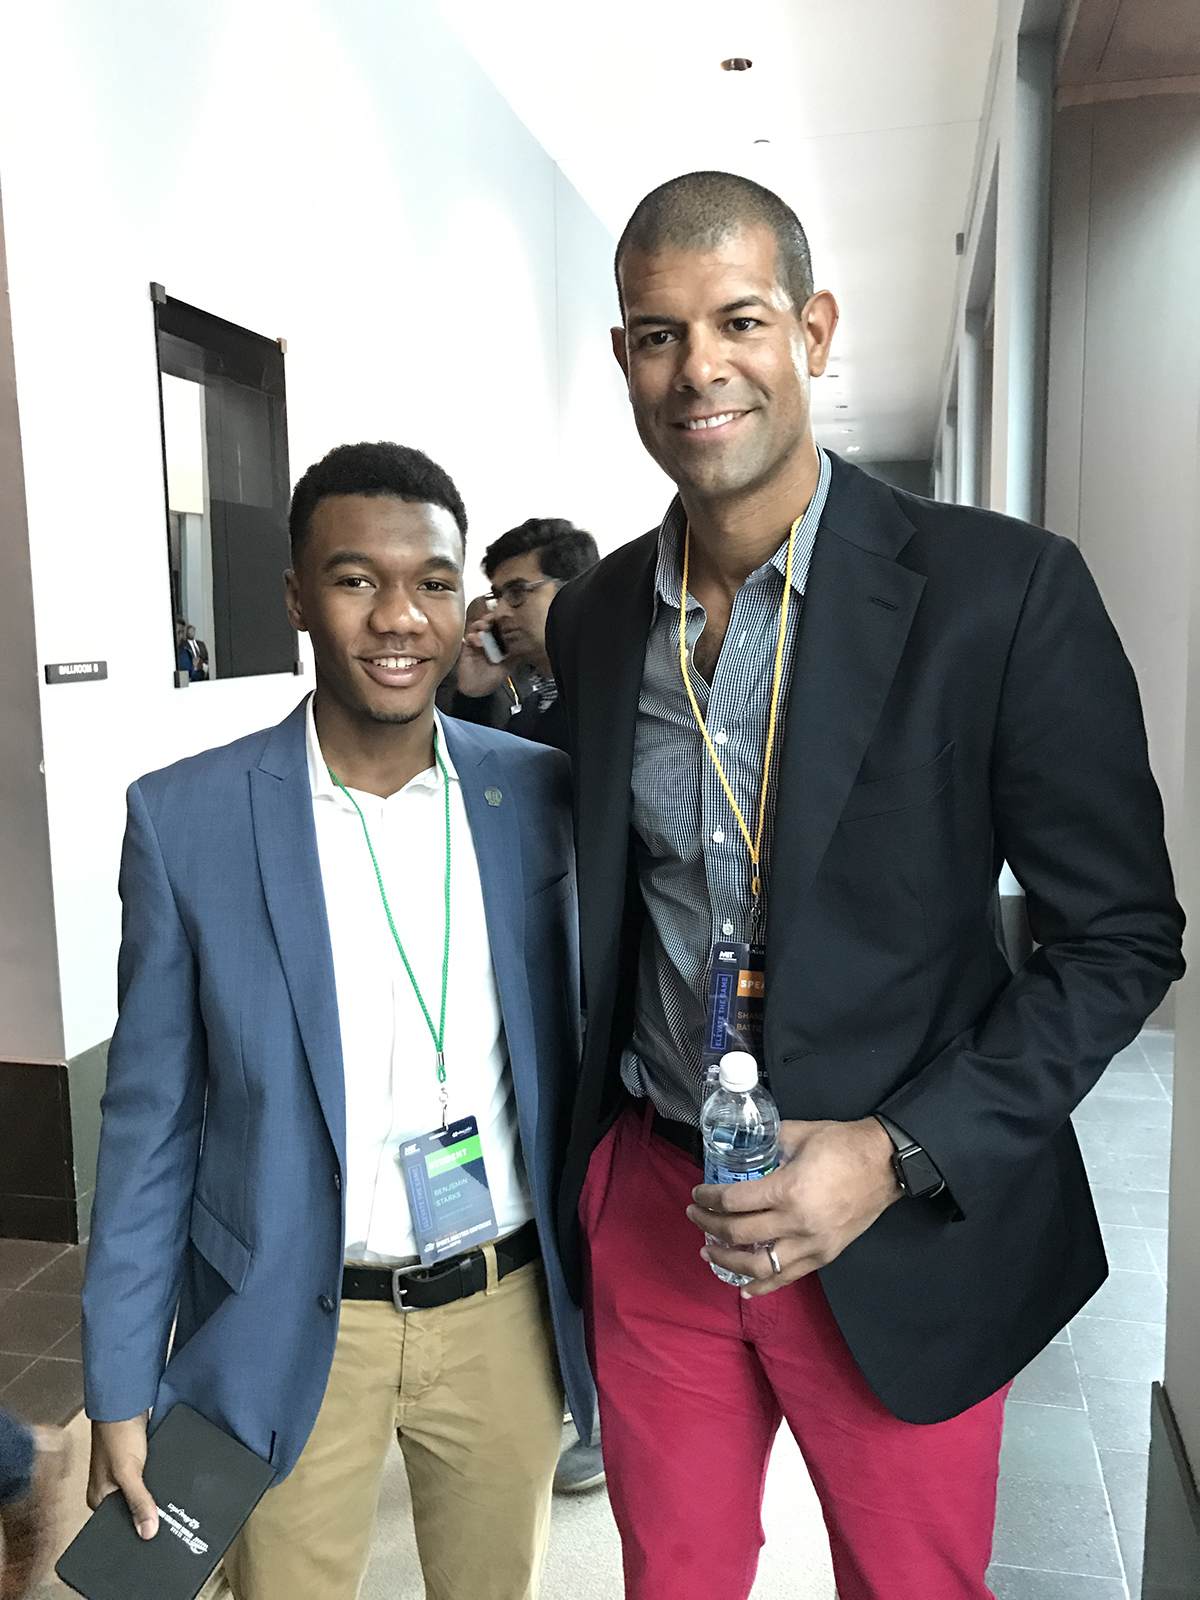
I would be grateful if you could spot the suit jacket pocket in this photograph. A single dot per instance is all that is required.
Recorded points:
(900, 790)
(219, 1245)
(560, 881)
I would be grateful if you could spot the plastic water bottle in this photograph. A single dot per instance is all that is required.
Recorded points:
(740, 1128)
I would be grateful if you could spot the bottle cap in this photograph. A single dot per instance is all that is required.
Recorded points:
(739, 1071)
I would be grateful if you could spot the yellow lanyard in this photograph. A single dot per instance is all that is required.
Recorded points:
(753, 845)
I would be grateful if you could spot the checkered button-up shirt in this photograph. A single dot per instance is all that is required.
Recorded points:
(693, 864)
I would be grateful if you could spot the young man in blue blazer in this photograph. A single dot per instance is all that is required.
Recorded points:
(348, 976)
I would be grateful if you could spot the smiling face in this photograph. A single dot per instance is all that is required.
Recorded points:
(378, 587)
(718, 361)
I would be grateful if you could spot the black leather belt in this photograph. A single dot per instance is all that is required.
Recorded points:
(417, 1288)
(681, 1134)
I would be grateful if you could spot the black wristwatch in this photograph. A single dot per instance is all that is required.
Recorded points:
(915, 1172)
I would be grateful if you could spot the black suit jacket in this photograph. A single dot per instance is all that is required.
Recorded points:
(543, 727)
(529, 721)
(959, 699)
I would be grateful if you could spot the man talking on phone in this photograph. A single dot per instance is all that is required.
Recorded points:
(527, 567)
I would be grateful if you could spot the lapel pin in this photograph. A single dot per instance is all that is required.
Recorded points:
(492, 796)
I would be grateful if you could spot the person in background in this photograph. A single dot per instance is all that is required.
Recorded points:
(527, 567)
(198, 651)
(33, 1463)
(488, 711)
(186, 658)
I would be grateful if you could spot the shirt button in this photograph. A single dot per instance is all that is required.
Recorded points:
(727, 928)
(719, 836)
(719, 738)
(325, 1303)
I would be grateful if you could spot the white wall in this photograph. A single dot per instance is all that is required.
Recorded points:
(334, 172)
(1123, 481)
(997, 461)
(1124, 392)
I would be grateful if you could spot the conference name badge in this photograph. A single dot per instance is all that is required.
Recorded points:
(448, 1191)
(736, 1001)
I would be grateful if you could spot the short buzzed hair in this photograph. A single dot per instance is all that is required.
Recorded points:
(700, 210)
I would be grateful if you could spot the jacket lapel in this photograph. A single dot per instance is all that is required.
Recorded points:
(610, 655)
(496, 833)
(858, 608)
(286, 839)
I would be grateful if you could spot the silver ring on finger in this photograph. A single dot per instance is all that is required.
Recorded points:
(774, 1260)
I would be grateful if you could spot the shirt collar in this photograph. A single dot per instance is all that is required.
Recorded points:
(668, 571)
(322, 784)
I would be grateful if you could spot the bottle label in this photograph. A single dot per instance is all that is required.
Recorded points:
(714, 1173)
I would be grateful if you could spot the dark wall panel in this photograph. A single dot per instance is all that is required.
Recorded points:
(1171, 1567)
(250, 550)
(37, 1171)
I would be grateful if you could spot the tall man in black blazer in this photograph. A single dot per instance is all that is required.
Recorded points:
(946, 693)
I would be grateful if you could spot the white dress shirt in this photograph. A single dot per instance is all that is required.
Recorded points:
(388, 1054)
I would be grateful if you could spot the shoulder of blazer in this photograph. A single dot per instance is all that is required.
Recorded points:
(226, 764)
(470, 743)
(603, 592)
(609, 582)
(929, 535)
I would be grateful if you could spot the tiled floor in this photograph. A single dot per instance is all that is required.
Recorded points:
(1073, 1468)
(41, 1378)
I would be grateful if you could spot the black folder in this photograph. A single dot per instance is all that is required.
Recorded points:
(205, 1485)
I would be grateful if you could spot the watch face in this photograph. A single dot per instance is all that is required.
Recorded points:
(919, 1175)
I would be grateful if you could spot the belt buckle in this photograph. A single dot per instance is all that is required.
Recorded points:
(399, 1289)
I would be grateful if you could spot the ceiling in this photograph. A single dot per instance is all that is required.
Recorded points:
(1124, 41)
(863, 114)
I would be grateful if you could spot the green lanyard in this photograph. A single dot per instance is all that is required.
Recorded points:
(438, 1034)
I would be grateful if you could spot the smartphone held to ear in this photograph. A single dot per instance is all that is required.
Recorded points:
(493, 646)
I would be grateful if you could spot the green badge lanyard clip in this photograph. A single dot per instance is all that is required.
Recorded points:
(438, 1034)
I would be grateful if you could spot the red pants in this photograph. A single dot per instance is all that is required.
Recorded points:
(694, 1381)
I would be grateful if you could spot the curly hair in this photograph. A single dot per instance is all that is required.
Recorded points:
(373, 469)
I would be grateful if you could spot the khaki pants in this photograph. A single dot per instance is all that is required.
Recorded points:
(473, 1393)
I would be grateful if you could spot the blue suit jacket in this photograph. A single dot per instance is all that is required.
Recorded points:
(222, 1153)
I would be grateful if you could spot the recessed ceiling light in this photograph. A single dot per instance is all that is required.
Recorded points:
(841, 408)
(847, 430)
(853, 449)
(736, 64)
